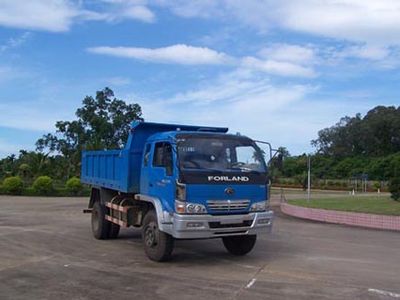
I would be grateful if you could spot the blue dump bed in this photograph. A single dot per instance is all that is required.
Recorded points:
(120, 169)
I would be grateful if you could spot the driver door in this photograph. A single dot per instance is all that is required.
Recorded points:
(161, 183)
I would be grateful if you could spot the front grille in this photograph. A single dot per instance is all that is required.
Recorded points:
(220, 206)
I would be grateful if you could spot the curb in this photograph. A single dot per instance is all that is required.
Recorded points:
(342, 217)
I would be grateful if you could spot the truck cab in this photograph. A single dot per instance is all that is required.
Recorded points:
(183, 182)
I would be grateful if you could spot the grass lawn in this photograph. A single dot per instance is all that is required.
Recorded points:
(382, 205)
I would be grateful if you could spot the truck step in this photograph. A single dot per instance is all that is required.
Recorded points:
(124, 215)
(120, 208)
(116, 221)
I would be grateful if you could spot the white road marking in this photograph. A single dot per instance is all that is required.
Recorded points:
(384, 293)
(249, 285)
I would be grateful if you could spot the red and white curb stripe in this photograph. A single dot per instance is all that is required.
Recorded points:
(343, 217)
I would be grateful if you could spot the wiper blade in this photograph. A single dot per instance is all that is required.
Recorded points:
(244, 169)
(211, 169)
(204, 169)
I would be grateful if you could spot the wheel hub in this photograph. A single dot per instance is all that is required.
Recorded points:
(151, 235)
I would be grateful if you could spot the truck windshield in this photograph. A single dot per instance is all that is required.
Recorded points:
(220, 154)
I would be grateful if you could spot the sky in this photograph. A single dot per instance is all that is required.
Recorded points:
(277, 71)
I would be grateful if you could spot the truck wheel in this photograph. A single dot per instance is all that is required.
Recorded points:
(100, 226)
(114, 231)
(239, 245)
(158, 245)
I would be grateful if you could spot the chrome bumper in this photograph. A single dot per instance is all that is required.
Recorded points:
(211, 226)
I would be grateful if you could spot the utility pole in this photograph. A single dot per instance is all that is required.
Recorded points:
(309, 179)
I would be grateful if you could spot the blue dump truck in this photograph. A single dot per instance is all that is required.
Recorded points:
(180, 182)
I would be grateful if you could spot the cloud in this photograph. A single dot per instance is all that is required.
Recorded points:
(139, 12)
(360, 56)
(289, 65)
(194, 8)
(7, 148)
(15, 42)
(49, 15)
(227, 87)
(178, 54)
(284, 60)
(285, 114)
(242, 100)
(117, 81)
(27, 115)
(370, 52)
(118, 10)
(60, 15)
(355, 20)
(289, 53)
(351, 20)
(281, 68)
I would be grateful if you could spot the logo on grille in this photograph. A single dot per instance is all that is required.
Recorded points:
(227, 178)
(229, 191)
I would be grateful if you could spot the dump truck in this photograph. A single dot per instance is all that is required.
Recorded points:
(180, 182)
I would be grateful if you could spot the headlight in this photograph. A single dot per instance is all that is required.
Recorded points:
(189, 208)
(259, 206)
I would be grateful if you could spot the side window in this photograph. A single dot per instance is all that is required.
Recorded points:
(162, 157)
(167, 159)
(158, 155)
(146, 155)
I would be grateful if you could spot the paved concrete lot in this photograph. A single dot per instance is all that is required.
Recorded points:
(47, 252)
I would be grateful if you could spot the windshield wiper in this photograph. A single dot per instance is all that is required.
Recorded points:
(203, 169)
(241, 168)
(244, 169)
(211, 169)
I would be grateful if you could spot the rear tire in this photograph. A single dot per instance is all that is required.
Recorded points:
(158, 245)
(239, 245)
(100, 226)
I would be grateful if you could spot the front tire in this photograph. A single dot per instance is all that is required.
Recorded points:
(239, 245)
(158, 245)
(100, 226)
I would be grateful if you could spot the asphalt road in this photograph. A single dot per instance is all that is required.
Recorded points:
(47, 252)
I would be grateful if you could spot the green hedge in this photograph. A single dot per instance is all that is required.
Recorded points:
(43, 185)
(74, 186)
(56, 192)
(12, 185)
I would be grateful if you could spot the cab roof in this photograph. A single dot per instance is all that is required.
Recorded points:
(172, 135)
(141, 131)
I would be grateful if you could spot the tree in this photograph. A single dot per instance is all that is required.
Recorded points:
(102, 122)
(377, 134)
(7, 166)
(33, 163)
(394, 188)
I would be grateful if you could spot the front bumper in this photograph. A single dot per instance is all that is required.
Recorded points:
(212, 226)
